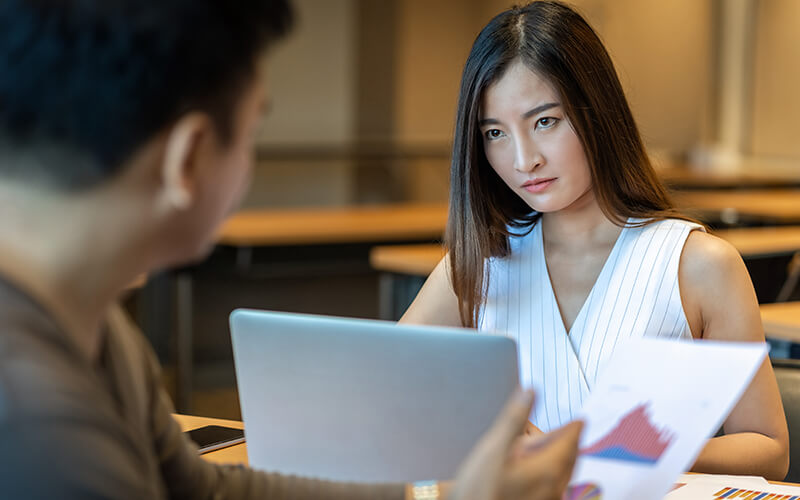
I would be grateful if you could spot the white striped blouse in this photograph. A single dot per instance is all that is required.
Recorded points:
(635, 295)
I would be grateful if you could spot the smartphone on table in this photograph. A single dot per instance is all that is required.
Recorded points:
(214, 437)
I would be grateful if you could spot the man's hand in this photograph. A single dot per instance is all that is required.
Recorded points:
(531, 430)
(539, 470)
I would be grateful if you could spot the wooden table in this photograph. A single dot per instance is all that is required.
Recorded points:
(236, 454)
(249, 229)
(419, 260)
(771, 205)
(403, 265)
(763, 241)
(398, 222)
(414, 260)
(410, 222)
(762, 177)
(403, 271)
(782, 320)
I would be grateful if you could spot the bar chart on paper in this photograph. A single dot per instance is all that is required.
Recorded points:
(634, 439)
(731, 487)
(645, 421)
(751, 495)
(587, 491)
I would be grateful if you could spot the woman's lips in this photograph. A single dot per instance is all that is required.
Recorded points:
(538, 185)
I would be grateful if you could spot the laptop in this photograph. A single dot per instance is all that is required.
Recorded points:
(365, 400)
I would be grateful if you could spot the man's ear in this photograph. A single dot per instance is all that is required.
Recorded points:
(182, 155)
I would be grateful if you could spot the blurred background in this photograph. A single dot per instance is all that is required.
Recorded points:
(364, 95)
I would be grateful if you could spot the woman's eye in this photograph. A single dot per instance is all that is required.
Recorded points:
(494, 134)
(546, 122)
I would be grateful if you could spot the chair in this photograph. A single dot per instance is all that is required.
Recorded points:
(787, 371)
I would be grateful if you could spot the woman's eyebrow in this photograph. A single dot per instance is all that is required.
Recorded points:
(532, 112)
(538, 109)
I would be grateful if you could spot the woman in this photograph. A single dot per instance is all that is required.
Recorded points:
(561, 236)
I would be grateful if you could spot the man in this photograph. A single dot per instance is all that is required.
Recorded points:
(126, 130)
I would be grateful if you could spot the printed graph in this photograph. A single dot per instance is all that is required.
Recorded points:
(585, 491)
(751, 495)
(633, 439)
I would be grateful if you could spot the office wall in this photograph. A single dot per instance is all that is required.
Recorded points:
(775, 107)
(387, 72)
(663, 54)
(434, 39)
(313, 77)
(662, 51)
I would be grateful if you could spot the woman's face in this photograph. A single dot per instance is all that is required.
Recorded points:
(530, 143)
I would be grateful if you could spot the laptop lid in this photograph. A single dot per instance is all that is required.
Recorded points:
(365, 400)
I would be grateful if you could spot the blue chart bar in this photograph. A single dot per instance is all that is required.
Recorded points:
(752, 495)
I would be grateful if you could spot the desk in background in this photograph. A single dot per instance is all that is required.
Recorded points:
(752, 242)
(742, 207)
(237, 454)
(419, 260)
(405, 267)
(688, 177)
(782, 321)
(329, 229)
(400, 223)
(334, 225)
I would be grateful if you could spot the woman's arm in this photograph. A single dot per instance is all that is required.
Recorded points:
(720, 304)
(436, 303)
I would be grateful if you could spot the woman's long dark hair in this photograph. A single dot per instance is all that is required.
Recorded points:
(555, 42)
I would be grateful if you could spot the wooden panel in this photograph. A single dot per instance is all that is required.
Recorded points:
(343, 225)
(781, 321)
(416, 260)
(763, 241)
(772, 203)
(419, 260)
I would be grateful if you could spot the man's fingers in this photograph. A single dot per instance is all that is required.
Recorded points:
(512, 419)
(559, 446)
(565, 444)
(532, 430)
(482, 472)
(530, 444)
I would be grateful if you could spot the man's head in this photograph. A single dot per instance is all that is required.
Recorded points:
(90, 89)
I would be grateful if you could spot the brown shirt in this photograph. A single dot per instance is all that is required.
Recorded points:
(70, 428)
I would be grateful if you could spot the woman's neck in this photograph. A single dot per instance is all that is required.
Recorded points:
(581, 225)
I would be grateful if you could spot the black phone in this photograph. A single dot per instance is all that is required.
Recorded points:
(214, 437)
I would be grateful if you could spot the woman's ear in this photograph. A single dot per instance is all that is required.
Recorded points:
(183, 153)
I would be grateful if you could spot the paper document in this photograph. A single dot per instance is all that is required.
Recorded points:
(741, 481)
(653, 409)
(698, 484)
(723, 487)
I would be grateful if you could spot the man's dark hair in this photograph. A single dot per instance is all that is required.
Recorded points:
(92, 80)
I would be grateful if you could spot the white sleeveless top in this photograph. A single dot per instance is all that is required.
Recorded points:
(635, 295)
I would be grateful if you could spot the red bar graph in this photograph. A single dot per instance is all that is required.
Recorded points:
(633, 439)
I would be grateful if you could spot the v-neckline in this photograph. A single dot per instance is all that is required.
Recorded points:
(582, 311)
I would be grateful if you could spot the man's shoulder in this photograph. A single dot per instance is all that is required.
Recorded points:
(49, 455)
(38, 374)
(58, 423)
